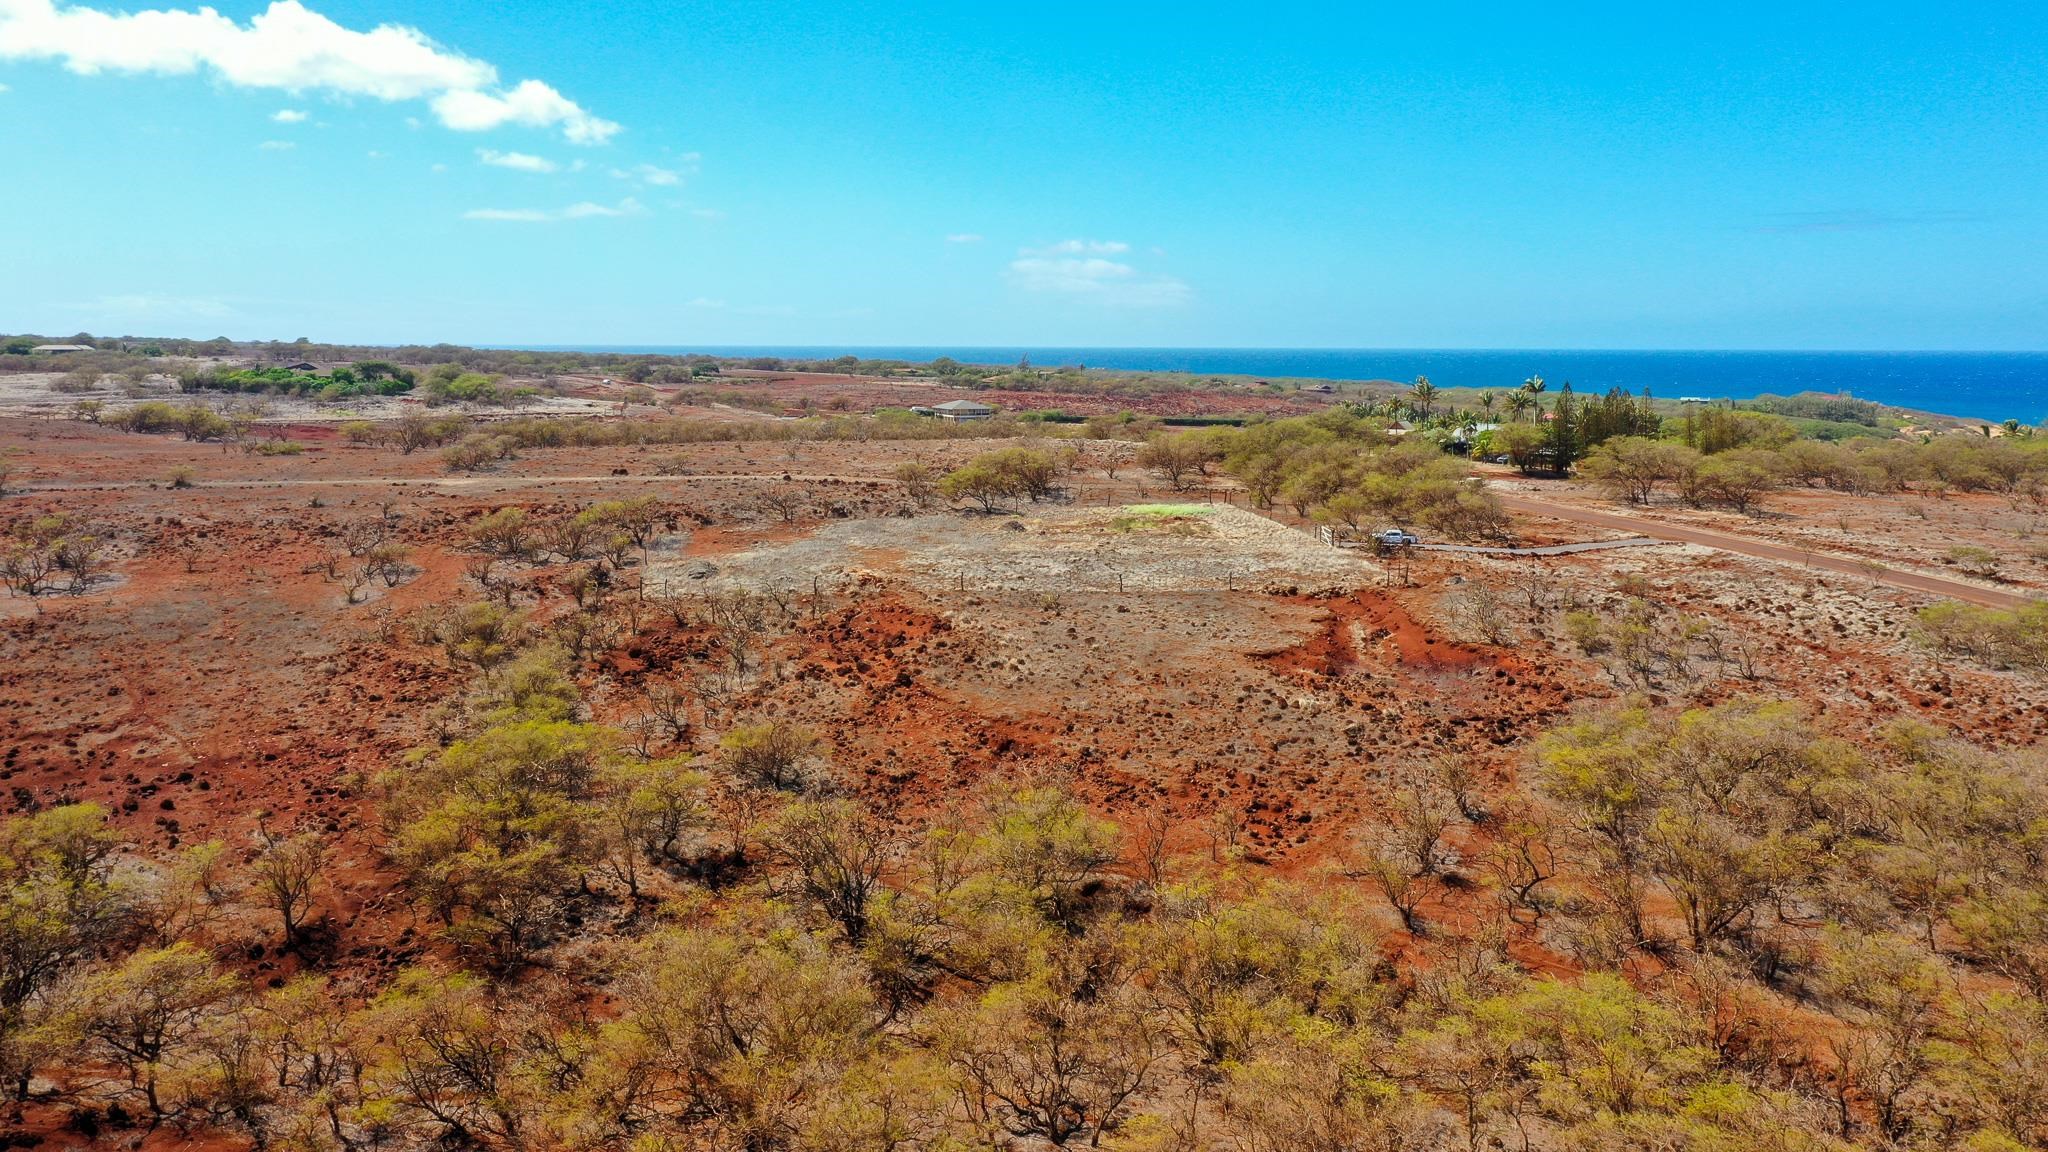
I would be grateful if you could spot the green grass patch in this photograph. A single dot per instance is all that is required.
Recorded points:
(1183, 518)
(1160, 511)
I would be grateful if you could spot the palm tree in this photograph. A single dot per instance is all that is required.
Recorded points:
(1422, 397)
(1486, 402)
(1519, 402)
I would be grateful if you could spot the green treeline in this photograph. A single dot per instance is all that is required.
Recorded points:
(370, 378)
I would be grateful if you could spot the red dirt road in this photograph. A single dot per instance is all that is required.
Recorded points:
(1763, 550)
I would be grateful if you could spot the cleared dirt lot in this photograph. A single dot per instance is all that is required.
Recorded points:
(1053, 551)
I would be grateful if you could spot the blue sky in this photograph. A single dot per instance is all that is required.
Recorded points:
(1762, 176)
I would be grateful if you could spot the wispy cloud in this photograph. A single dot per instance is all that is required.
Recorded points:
(4, 89)
(659, 176)
(1860, 221)
(277, 146)
(707, 213)
(291, 48)
(964, 238)
(583, 211)
(1082, 269)
(706, 302)
(517, 161)
(1085, 248)
(288, 116)
(649, 174)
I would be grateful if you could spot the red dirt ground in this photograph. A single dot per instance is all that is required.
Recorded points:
(219, 680)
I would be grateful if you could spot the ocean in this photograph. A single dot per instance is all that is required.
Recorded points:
(1990, 386)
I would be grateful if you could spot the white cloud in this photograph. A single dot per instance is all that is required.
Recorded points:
(529, 104)
(291, 48)
(707, 213)
(650, 174)
(626, 207)
(706, 302)
(1080, 268)
(277, 145)
(582, 211)
(4, 89)
(1084, 248)
(288, 116)
(517, 161)
(964, 238)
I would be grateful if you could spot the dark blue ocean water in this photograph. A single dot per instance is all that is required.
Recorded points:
(1989, 386)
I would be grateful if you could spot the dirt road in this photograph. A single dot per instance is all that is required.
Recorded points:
(1544, 550)
(1763, 550)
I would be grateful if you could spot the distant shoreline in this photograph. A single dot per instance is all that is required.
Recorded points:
(1982, 386)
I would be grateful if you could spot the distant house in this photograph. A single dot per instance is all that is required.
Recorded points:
(301, 366)
(59, 349)
(962, 410)
(1324, 389)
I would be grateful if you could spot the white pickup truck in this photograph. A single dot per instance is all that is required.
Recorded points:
(1396, 538)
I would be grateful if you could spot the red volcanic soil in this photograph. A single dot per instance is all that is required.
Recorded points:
(1366, 622)
(219, 681)
(902, 687)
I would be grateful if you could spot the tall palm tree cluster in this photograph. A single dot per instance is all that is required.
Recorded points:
(1423, 403)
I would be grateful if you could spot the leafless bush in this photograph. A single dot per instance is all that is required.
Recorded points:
(359, 537)
(1478, 614)
(670, 708)
(1422, 813)
(786, 501)
(740, 619)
